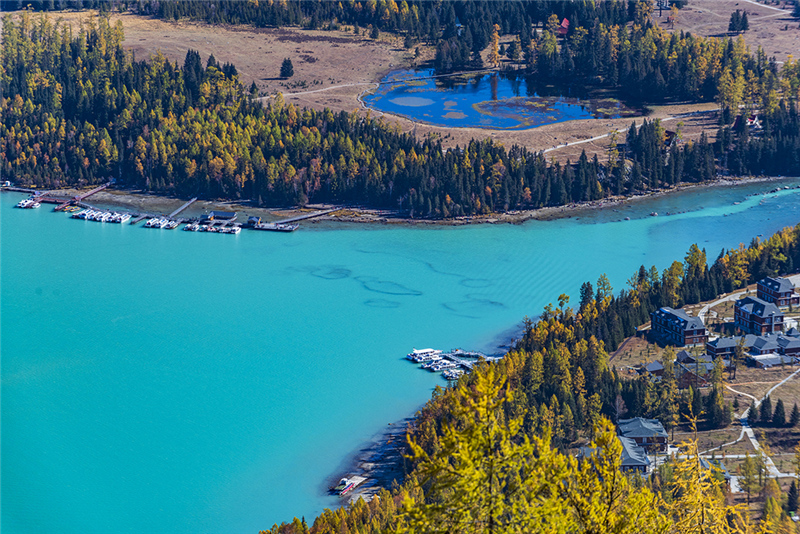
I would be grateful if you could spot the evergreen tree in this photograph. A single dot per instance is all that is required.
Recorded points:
(752, 415)
(287, 69)
(765, 411)
(792, 497)
(735, 22)
(779, 417)
(795, 417)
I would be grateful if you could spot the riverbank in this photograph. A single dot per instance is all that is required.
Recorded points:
(142, 202)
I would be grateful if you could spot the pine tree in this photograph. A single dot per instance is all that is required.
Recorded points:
(792, 497)
(287, 69)
(779, 417)
(765, 411)
(795, 417)
(752, 415)
(735, 23)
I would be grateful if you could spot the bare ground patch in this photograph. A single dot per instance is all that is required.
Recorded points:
(771, 27)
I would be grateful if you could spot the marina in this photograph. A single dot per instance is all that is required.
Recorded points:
(215, 222)
(453, 364)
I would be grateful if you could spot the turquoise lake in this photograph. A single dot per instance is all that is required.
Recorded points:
(481, 101)
(160, 381)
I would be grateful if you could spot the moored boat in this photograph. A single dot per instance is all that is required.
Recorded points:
(276, 227)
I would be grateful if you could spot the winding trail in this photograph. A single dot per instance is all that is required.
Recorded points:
(676, 117)
(747, 430)
(784, 11)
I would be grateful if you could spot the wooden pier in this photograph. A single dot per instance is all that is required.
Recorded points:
(177, 211)
(64, 203)
(307, 216)
(456, 356)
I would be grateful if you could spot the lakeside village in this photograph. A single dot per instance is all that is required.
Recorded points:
(765, 339)
(221, 222)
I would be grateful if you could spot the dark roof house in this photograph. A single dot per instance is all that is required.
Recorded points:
(221, 215)
(777, 290)
(647, 433)
(655, 368)
(756, 316)
(634, 457)
(676, 327)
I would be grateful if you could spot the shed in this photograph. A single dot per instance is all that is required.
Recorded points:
(222, 215)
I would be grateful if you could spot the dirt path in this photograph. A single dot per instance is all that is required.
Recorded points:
(747, 430)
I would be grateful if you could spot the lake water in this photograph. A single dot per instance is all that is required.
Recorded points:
(174, 382)
(482, 101)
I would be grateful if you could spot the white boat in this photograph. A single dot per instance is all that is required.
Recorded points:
(24, 203)
(124, 217)
(423, 355)
(442, 365)
(34, 205)
(452, 374)
(151, 223)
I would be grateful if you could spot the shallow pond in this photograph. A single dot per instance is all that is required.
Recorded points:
(483, 101)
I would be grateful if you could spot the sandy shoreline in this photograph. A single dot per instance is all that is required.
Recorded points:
(141, 202)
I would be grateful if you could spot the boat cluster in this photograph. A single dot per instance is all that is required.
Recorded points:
(28, 203)
(195, 227)
(434, 361)
(161, 222)
(101, 216)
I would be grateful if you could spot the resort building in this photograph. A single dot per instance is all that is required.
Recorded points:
(675, 327)
(765, 361)
(634, 457)
(725, 347)
(647, 433)
(779, 291)
(756, 316)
